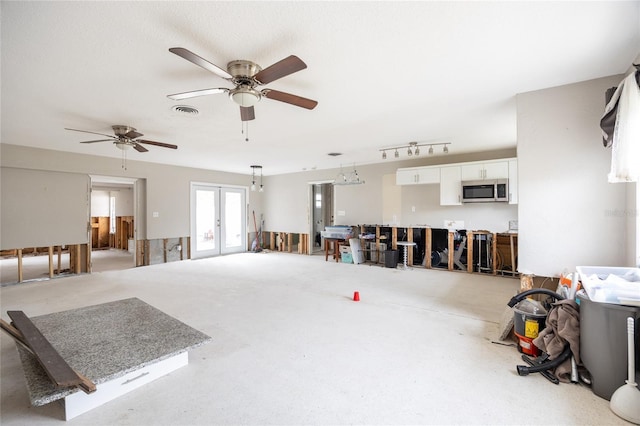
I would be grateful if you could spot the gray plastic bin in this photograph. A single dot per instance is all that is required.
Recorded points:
(603, 343)
(391, 258)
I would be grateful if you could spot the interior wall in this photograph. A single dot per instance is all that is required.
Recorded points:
(166, 188)
(567, 210)
(100, 200)
(421, 206)
(374, 202)
(43, 208)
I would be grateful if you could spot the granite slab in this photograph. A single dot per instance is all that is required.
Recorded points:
(106, 341)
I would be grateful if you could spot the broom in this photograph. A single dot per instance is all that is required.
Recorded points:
(255, 246)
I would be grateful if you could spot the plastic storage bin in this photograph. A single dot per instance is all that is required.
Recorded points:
(603, 343)
(391, 258)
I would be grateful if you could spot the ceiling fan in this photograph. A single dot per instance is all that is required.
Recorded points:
(125, 137)
(246, 76)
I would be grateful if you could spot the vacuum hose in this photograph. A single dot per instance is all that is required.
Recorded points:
(517, 298)
(524, 370)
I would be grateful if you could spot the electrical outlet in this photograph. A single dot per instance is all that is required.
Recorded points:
(342, 213)
(156, 214)
(413, 209)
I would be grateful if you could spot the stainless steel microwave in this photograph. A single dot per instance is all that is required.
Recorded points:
(485, 191)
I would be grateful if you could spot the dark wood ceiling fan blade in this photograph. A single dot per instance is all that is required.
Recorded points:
(195, 93)
(289, 98)
(94, 133)
(132, 134)
(162, 144)
(201, 62)
(139, 147)
(280, 69)
(247, 113)
(99, 140)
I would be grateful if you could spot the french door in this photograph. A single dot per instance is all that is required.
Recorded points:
(218, 224)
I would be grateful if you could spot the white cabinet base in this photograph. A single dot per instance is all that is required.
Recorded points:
(80, 402)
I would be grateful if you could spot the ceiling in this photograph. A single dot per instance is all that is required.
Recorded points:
(383, 73)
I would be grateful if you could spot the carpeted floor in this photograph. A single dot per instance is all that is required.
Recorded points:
(291, 347)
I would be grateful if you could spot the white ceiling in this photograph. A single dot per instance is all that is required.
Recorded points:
(383, 73)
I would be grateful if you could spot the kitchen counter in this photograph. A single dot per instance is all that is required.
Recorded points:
(106, 342)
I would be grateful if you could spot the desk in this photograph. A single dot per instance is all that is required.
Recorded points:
(336, 247)
(119, 345)
(405, 244)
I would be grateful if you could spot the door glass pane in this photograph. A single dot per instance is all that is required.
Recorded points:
(205, 220)
(233, 219)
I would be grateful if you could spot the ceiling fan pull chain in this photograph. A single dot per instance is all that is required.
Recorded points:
(124, 159)
(247, 136)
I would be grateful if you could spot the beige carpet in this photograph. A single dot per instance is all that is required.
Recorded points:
(291, 347)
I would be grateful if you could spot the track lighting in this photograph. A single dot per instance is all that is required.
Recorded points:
(414, 149)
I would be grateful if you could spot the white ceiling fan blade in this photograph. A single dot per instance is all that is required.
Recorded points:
(196, 93)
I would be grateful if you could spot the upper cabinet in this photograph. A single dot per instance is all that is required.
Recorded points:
(485, 170)
(418, 175)
(451, 176)
(450, 186)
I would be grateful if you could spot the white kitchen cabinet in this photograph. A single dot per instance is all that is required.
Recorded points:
(418, 176)
(513, 181)
(485, 170)
(450, 186)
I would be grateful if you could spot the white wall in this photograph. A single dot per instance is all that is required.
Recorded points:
(43, 208)
(100, 201)
(567, 210)
(166, 187)
(378, 200)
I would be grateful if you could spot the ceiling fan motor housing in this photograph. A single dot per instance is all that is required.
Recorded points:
(121, 130)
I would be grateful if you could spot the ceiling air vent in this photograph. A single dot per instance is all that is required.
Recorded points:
(334, 154)
(184, 109)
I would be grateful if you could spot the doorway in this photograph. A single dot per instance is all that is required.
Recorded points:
(322, 213)
(218, 220)
(112, 235)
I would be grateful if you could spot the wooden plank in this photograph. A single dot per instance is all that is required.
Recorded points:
(513, 257)
(394, 239)
(470, 251)
(290, 241)
(86, 385)
(54, 365)
(20, 272)
(410, 248)
(494, 252)
(451, 250)
(50, 261)
(427, 248)
(164, 250)
(59, 259)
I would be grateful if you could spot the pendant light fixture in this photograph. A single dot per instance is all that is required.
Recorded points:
(253, 178)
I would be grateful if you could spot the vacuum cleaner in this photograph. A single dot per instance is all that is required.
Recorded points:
(541, 364)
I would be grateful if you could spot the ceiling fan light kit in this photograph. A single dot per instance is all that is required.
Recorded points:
(414, 149)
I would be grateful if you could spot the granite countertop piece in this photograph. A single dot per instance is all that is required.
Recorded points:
(106, 341)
